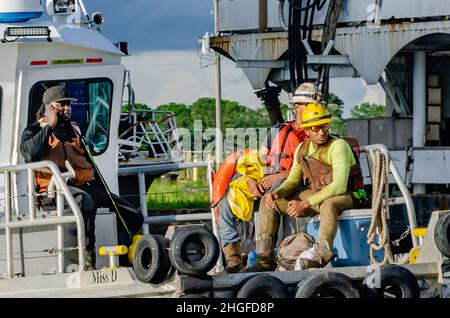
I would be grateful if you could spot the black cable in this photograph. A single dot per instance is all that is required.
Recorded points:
(305, 19)
(300, 27)
(298, 46)
(307, 34)
(105, 185)
(293, 38)
(311, 24)
(319, 5)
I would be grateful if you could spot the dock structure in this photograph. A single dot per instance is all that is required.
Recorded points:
(402, 45)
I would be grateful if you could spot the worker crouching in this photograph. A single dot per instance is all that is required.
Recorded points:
(328, 168)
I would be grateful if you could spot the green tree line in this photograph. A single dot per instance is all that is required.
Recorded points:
(235, 115)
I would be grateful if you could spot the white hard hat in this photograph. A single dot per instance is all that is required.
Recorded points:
(307, 93)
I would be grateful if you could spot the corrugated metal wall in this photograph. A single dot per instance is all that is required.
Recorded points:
(242, 15)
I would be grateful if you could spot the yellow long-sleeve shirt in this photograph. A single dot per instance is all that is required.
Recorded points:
(339, 155)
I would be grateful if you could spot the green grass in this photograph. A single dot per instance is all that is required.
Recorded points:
(164, 194)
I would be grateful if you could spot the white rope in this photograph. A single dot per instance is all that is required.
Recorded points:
(380, 210)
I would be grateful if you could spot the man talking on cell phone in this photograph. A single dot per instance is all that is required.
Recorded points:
(56, 138)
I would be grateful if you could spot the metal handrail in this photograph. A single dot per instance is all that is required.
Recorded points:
(63, 192)
(402, 186)
(167, 139)
(142, 170)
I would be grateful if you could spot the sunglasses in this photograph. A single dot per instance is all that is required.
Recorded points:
(316, 129)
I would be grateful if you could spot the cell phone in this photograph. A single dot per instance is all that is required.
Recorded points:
(60, 111)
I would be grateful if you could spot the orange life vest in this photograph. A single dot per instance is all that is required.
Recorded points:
(282, 150)
(59, 153)
(224, 174)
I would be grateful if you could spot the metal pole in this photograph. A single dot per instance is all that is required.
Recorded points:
(403, 189)
(219, 137)
(262, 26)
(83, 8)
(419, 105)
(40, 222)
(195, 170)
(31, 203)
(143, 199)
(215, 227)
(8, 232)
(60, 227)
(112, 260)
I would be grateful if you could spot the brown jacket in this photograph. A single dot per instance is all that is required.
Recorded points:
(317, 174)
(59, 153)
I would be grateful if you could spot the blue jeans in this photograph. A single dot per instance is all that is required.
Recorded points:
(231, 228)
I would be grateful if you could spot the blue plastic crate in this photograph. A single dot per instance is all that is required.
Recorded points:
(350, 243)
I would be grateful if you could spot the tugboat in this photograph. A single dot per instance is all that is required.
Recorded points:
(42, 251)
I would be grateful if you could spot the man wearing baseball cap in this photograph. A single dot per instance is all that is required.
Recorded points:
(56, 138)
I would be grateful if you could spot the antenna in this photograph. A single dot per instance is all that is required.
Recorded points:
(83, 8)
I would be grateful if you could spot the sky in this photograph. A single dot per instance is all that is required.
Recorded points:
(163, 37)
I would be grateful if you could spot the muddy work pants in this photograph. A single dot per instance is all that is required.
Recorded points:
(329, 211)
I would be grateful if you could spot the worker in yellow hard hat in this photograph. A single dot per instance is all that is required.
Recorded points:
(243, 193)
(315, 114)
(325, 165)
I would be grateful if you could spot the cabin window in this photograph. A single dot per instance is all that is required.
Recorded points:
(91, 111)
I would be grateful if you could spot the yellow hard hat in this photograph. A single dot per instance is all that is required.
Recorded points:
(315, 114)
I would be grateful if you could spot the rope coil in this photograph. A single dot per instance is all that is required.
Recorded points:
(379, 225)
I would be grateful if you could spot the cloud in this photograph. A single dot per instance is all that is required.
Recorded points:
(375, 94)
(161, 77)
(176, 76)
(163, 36)
(354, 91)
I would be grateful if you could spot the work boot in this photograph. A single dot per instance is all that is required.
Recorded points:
(232, 252)
(90, 256)
(266, 261)
(315, 257)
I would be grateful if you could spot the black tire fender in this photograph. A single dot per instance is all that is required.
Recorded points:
(327, 284)
(165, 265)
(263, 286)
(391, 281)
(151, 262)
(442, 234)
(194, 250)
(193, 296)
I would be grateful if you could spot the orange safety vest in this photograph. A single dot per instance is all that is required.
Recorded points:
(59, 153)
(282, 150)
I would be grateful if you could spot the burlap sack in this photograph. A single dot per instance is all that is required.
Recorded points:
(290, 248)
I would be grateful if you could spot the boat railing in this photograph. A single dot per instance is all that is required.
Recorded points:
(150, 130)
(406, 197)
(58, 188)
(175, 218)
